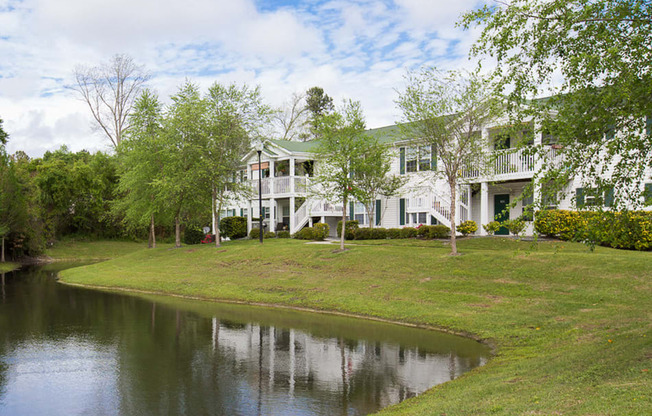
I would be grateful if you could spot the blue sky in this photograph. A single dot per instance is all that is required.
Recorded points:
(358, 49)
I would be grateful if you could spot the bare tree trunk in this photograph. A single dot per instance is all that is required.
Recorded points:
(453, 186)
(216, 219)
(2, 256)
(177, 231)
(152, 233)
(371, 216)
(343, 224)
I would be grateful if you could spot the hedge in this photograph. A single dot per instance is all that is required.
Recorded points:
(233, 227)
(626, 230)
(193, 235)
(351, 226)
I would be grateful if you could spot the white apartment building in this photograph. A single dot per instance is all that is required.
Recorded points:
(287, 169)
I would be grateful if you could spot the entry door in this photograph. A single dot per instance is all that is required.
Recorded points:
(501, 203)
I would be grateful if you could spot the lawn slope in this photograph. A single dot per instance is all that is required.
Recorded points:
(571, 327)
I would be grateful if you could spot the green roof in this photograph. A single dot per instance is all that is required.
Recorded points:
(293, 146)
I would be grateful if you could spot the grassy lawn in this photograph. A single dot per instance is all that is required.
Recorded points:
(7, 267)
(571, 328)
(68, 250)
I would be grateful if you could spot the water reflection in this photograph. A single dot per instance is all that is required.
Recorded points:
(70, 351)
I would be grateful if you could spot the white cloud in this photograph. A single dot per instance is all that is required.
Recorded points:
(355, 49)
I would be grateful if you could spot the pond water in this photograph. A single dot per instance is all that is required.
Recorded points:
(71, 351)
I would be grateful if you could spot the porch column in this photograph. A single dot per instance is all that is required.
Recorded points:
(469, 203)
(292, 172)
(292, 208)
(458, 191)
(484, 206)
(249, 216)
(272, 214)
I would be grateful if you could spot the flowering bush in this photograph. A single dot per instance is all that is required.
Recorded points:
(626, 230)
(467, 227)
(492, 227)
(515, 226)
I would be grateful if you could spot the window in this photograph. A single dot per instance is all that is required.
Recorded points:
(501, 141)
(423, 217)
(647, 194)
(416, 159)
(590, 197)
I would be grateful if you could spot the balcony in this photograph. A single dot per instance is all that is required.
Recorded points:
(516, 163)
(281, 186)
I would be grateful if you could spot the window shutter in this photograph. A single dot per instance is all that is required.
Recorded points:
(433, 157)
(648, 126)
(647, 194)
(609, 197)
(401, 211)
(402, 160)
(579, 197)
(433, 220)
(378, 212)
(242, 212)
(351, 211)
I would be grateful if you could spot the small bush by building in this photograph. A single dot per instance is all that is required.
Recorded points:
(233, 227)
(321, 230)
(351, 226)
(283, 234)
(467, 227)
(492, 227)
(439, 231)
(192, 235)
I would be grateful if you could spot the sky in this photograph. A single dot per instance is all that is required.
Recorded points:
(353, 49)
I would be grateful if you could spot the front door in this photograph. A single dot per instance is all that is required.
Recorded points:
(501, 211)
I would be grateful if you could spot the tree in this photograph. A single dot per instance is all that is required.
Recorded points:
(292, 118)
(373, 178)
(342, 147)
(447, 111)
(182, 153)
(110, 90)
(234, 117)
(141, 165)
(594, 58)
(319, 104)
(3, 136)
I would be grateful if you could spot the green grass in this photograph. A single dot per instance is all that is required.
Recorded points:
(571, 328)
(7, 267)
(69, 250)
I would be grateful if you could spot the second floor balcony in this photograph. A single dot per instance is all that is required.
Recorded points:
(516, 163)
(282, 186)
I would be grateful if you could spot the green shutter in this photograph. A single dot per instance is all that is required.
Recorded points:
(433, 220)
(648, 126)
(609, 197)
(351, 211)
(647, 194)
(402, 160)
(401, 211)
(433, 157)
(378, 212)
(242, 212)
(579, 197)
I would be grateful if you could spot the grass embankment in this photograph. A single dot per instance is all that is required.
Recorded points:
(73, 250)
(7, 267)
(571, 327)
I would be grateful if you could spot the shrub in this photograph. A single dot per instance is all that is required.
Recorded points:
(283, 234)
(408, 232)
(393, 233)
(423, 231)
(269, 234)
(306, 233)
(321, 230)
(439, 231)
(515, 226)
(351, 226)
(192, 235)
(363, 234)
(378, 233)
(233, 227)
(559, 223)
(625, 230)
(492, 227)
(467, 227)
(254, 234)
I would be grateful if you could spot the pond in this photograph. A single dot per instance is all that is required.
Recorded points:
(71, 351)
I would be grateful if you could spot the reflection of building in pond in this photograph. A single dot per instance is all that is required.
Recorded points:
(290, 361)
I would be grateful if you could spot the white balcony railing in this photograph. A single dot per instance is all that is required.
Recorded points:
(516, 161)
(282, 185)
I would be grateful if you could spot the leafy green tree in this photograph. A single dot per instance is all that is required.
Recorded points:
(319, 104)
(141, 166)
(373, 178)
(182, 154)
(594, 58)
(234, 117)
(3, 136)
(342, 147)
(447, 111)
